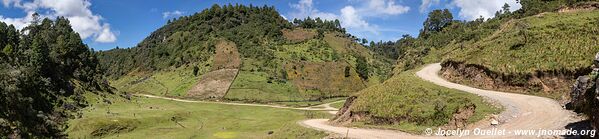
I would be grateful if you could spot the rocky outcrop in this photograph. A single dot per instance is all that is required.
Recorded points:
(585, 95)
(581, 87)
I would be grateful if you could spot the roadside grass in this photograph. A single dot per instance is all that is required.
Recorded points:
(310, 103)
(417, 103)
(338, 105)
(156, 118)
(548, 42)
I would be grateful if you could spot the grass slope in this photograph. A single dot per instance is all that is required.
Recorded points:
(338, 104)
(174, 82)
(254, 86)
(553, 42)
(154, 118)
(417, 103)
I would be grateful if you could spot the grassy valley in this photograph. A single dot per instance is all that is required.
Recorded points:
(245, 71)
(143, 117)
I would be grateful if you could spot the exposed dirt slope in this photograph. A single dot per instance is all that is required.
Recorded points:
(215, 84)
(298, 35)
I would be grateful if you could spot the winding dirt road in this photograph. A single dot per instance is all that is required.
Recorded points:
(522, 112)
(322, 107)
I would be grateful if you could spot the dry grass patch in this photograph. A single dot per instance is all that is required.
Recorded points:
(298, 34)
(214, 84)
(328, 78)
(227, 56)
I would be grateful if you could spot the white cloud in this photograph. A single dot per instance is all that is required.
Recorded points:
(18, 22)
(383, 7)
(106, 35)
(175, 13)
(426, 4)
(472, 9)
(304, 8)
(7, 3)
(81, 17)
(351, 17)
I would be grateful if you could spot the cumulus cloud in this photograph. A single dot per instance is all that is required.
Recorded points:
(472, 9)
(175, 13)
(383, 7)
(106, 36)
(427, 4)
(78, 12)
(7, 3)
(352, 17)
(305, 8)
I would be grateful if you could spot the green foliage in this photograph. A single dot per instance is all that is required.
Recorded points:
(180, 43)
(362, 67)
(8, 50)
(320, 25)
(393, 50)
(43, 77)
(436, 21)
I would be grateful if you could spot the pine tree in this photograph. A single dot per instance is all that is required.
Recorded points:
(506, 9)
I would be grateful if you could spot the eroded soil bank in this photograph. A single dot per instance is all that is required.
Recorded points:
(553, 84)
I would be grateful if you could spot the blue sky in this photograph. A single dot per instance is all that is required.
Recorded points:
(106, 24)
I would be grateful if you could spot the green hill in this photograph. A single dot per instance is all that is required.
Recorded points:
(251, 53)
(542, 53)
(408, 103)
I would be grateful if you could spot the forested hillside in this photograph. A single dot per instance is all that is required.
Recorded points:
(45, 69)
(303, 60)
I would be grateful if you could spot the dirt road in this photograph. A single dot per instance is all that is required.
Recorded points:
(322, 107)
(522, 112)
